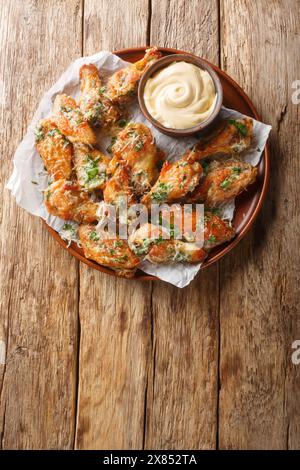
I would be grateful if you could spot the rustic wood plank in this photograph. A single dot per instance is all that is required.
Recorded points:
(259, 301)
(38, 279)
(114, 313)
(182, 390)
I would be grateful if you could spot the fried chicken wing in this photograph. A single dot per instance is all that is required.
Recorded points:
(159, 244)
(70, 121)
(223, 181)
(96, 107)
(176, 251)
(67, 200)
(175, 180)
(135, 147)
(113, 253)
(216, 231)
(90, 166)
(122, 85)
(232, 136)
(54, 149)
(119, 188)
(150, 241)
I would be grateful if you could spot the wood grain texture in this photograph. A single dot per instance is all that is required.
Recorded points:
(259, 299)
(182, 392)
(114, 313)
(99, 362)
(38, 279)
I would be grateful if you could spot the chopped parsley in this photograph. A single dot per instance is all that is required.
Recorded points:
(94, 236)
(91, 169)
(240, 127)
(139, 145)
(53, 132)
(39, 134)
(101, 90)
(225, 184)
(212, 239)
(161, 194)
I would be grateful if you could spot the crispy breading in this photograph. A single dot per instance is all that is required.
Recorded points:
(122, 85)
(67, 200)
(113, 253)
(223, 181)
(70, 121)
(94, 103)
(54, 149)
(90, 166)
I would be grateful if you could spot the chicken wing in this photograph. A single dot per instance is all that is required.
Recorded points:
(96, 107)
(113, 253)
(159, 245)
(54, 149)
(70, 121)
(232, 136)
(150, 241)
(123, 83)
(135, 147)
(119, 188)
(175, 180)
(216, 231)
(223, 181)
(90, 166)
(67, 200)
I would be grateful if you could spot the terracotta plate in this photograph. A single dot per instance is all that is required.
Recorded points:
(248, 204)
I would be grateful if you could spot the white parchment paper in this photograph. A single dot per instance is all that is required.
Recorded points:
(29, 179)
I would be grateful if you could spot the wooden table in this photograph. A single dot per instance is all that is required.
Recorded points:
(98, 362)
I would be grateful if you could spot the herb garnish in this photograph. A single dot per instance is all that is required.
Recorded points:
(94, 236)
(39, 134)
(240, 127)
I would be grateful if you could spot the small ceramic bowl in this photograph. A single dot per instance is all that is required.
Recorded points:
(164, 62)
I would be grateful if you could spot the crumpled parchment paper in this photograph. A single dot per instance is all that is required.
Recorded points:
(29, 178)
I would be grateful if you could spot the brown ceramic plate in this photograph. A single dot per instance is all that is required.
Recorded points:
(248, 204)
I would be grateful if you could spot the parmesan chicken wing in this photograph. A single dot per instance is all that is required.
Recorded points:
(96, 107)
(175, 180)
(122, 85)
(216, 231)
(186, 223)
(55, 150)
(232, 136)
(118, 189)
(135, 147)
(223, 181)
(90, 166)
(70, 121)
(113, 253)
(176, 251)
(67, 200)
(159, 245)
(151, 241)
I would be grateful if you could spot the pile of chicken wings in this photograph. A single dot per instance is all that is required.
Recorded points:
(81, 176)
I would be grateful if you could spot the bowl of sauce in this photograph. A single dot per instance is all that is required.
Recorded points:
(180, 95)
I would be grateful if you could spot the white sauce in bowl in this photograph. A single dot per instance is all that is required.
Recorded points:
(180, 95)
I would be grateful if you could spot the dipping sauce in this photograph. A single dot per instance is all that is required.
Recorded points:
(180, 96)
